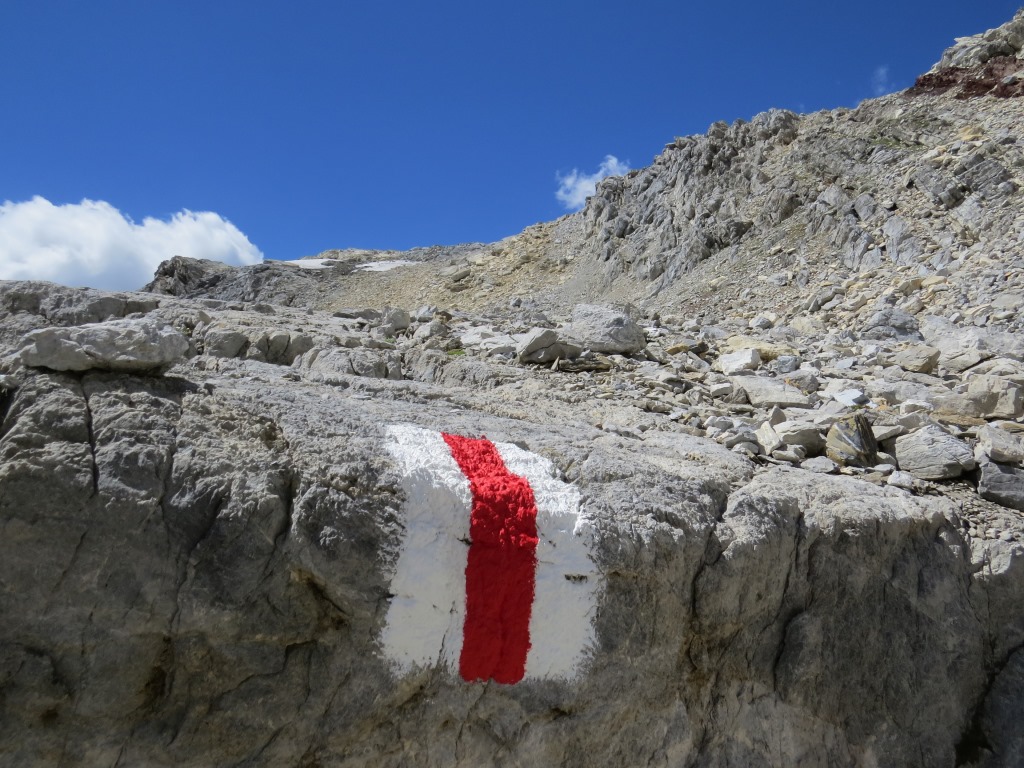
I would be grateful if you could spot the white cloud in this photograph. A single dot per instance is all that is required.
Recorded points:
(92, 243)
(575, 187)
(880, 82)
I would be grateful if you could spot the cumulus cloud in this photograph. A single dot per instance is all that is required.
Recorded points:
(880, 82)
(92, 243)
(575, 187)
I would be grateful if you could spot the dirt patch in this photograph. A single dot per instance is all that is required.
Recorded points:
(969, 83)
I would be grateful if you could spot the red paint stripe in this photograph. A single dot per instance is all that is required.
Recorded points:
(500, 572)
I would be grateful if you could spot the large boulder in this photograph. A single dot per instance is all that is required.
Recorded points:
(933, 454)
(1003, 484)
(135, 345)
(543, 345)
(605, 329)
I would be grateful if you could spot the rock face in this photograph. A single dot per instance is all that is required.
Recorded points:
(117, 345)
(470, 511)
(245, 520)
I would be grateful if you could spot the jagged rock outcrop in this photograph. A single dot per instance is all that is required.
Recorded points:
(777, 501)
(697, 199)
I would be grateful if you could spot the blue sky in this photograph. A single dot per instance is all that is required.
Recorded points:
(314, 125)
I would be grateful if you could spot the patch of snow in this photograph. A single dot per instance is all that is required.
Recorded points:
(383, 266)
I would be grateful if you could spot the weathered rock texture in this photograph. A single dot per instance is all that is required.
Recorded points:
(200, 519)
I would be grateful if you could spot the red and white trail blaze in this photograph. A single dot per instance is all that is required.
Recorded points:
(494, 577)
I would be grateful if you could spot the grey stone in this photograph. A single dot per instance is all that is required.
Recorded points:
(434, 329)
(932, 454)
(198, 569)
(721, 389)
(331, 366)
(997, 397)
(395, 318)
(803, 379)
(784, 364)
(224, 342)
(117, 345)
(918, 358)
(851, 397)
(804, 434)
(1000, 720)
(819, 464)
(890, 323)
(901, 479)
(256, 521)
(765, 393)
(793, 455)
(887, 431)
(489, 340)
(540, 345)
(1003, 484)
(768, 438)
(1000, 445)
(605, 329)
(741, 360)
(902, 247)
(962, 348)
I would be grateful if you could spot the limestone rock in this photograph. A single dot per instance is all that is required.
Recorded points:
(804, 434)
(820, 464)
(395, 319)
(803, 379)
(974, 50)
(766, 350)
(1003, 484)
(604, 329)
(489, 340)
(999, 445)
(117, 345)
(768, 438)
(918, 358)
(1000, 721)
(742, 360)
(224, 342)
(997, 398)
(960, 348)
(765, 393)
(434, 329)
(543, 345)
(901, 479)
(932, 454)
(332, 365)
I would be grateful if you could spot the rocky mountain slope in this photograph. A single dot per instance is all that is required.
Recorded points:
(769, 390)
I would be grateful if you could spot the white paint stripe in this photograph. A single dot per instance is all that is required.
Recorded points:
(425, 619)
(562, 620)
